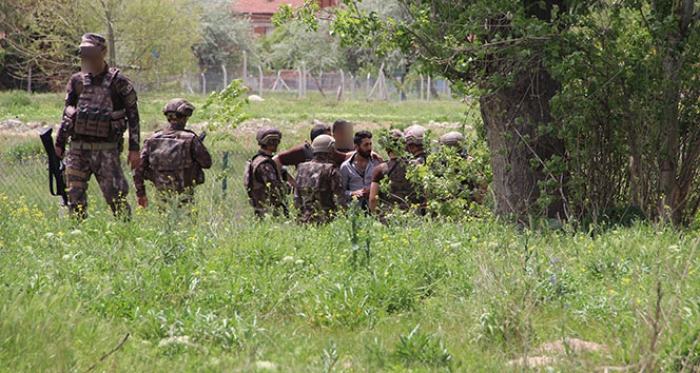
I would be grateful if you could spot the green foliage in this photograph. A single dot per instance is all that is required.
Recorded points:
(416, 347)
(224, 37)
(145, 27)
(44, 35)
(17, 100)
(228, 105)
(291, 44)
(455, 180)
(238, 292)
(614, 112)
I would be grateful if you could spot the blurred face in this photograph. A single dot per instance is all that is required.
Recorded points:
(365, 148)
(343, 135)
(92, 60)
(273, 145)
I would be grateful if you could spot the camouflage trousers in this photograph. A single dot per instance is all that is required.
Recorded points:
(105, 165)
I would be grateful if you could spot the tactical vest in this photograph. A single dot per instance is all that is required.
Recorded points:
(400, 189)
(313, 186)
(170, 161)
(95, 115)
(258, 191)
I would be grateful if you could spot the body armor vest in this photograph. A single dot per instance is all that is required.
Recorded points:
(400, 190)
(313, 186)
(258, 191)
(96, 116)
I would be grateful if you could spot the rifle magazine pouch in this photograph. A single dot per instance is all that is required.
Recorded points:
(117, 125)
(96, 109)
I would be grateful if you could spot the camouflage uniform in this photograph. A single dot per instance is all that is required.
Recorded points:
(457, 141)
(401, 194)
(262, 179)
(173, 160)
(319, 191)
(97, 111)
(266, 188)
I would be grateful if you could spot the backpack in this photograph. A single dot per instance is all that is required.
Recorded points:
(169, 157)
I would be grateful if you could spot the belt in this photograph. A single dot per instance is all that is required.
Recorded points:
(83, 145)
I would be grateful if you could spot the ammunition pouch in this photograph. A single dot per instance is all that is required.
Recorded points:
(100, 124)
(117, 125)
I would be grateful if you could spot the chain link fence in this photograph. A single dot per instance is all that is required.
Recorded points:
(24, 179)
(332, 85)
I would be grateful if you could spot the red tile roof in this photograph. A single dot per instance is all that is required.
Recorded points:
(263, 6)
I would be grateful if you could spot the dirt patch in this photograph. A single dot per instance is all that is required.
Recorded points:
(549, 353)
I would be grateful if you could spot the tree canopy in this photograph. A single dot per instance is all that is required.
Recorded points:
(589, 107)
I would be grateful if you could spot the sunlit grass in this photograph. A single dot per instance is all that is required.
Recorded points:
(212, 289)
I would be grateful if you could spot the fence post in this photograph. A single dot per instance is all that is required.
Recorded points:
(352, 87)
(224, 181)
(260, 89)
(303, 68)
(367, 85)
(223, 68)
(421, 87)
(186, 81)
(341, 89)
(29, 77)
(245, 66)
(427, 90)
(204, 84)
(299, 82)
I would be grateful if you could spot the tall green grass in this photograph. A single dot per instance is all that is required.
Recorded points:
(215, 290)
(206, 292)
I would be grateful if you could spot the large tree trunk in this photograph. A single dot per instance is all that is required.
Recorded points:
(512, 116)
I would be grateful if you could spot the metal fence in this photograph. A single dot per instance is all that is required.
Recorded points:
(24, 180)
(333, 85)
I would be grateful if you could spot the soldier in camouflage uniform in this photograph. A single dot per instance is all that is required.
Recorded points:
(100, 102)
(400, 193)
(319, 192)
(413, 137)
(173, 159)
(262, 179)
(477, 188)
(455, 140)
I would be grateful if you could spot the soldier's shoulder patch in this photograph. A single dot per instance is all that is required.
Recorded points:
(125, 87)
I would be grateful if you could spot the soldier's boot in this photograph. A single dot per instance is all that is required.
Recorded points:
(120, 208)
(77, 193)
(79, 212)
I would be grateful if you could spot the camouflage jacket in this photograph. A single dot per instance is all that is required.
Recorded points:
(123, 98)
(319, 190)
(264, 184)
(173, 160)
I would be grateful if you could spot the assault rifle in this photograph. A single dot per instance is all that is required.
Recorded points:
(56, 167)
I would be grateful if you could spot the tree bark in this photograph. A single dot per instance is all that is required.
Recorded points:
(512, 116)
(670, 141)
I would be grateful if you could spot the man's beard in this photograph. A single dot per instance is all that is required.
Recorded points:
(363, 154)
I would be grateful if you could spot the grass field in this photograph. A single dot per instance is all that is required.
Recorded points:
(215, 291)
